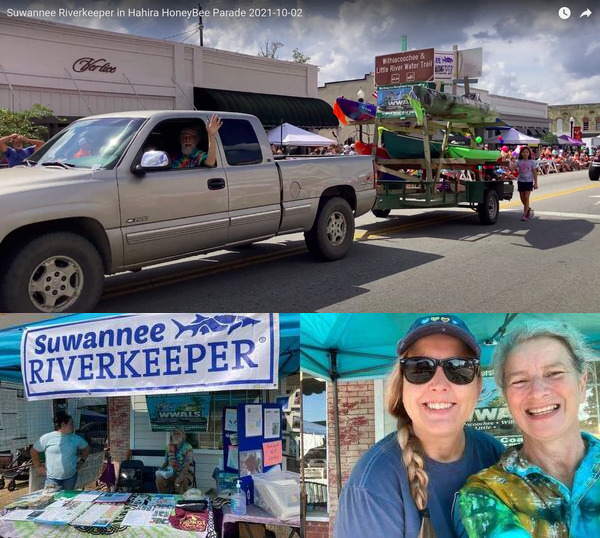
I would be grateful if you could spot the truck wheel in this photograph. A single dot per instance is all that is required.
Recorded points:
(381, 213)
(490, 207)
(332, 234)
(594, 173)
(12, 485)
(1, 483)
(56, 272)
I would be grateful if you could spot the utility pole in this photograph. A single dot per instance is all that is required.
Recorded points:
(404, 43)
(200, 26)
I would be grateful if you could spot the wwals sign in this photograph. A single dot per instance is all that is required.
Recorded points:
(151, 354)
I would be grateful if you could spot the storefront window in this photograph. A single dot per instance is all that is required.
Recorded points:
(213, 438)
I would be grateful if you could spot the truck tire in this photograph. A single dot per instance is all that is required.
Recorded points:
(381, 213)
(490, 207)
(56, 272)
(332, 233)
(594, 173)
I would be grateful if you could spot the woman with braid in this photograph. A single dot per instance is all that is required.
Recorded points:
(404, 485)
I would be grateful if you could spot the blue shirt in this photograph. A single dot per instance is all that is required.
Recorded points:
(376, 500)
(16, 156)
(61, 453)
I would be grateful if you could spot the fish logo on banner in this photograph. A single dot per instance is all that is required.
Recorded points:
(151, 354)
(205, 325)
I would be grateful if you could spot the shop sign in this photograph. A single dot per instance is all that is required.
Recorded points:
(188, 412)
(151, 354)
(82, 65)
(409, 66)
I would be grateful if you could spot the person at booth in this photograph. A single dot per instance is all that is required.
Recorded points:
(175, 475)
(65, 453)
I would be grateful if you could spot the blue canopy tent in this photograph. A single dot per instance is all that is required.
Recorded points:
(10, 343)
(363, 346)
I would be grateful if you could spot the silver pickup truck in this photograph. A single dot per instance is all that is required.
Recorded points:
(102, 196)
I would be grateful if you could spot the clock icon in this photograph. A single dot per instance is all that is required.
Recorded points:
(564, 13)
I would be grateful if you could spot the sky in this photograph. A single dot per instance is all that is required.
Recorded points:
(529, 52)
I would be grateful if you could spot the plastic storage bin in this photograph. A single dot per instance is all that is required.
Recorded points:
(278, 492)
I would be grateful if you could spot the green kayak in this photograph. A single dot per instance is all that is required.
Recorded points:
(461, 152)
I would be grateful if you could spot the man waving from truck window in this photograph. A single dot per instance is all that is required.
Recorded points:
(190, 156)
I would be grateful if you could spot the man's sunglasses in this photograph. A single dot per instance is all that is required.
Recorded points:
(420, 370)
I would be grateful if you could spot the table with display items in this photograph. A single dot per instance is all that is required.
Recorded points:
(255, 515)
(33, 529)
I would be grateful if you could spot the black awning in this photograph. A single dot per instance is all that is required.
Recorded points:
(271, 110)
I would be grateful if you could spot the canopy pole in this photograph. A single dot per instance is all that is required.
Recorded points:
(336, 422)
(303, 495)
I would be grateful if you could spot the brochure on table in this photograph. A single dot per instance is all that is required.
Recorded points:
(251, 441)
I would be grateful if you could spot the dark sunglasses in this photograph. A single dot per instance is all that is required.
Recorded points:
(420, 370)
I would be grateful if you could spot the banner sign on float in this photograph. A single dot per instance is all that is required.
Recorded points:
(151, 354)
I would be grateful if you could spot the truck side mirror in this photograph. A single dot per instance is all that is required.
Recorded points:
(153, 160)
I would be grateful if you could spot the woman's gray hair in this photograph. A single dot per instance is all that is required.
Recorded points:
(573, 340)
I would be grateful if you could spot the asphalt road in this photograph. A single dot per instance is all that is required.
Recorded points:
(432, 260)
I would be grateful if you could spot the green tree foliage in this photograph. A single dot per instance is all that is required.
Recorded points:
(299, 58)
(22, 122)
(549, 139)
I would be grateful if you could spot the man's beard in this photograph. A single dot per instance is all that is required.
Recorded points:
(186, 150)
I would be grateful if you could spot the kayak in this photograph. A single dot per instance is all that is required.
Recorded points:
(367, 149)
(408, 147)
(462, 152)
(356, 110)
(445, 105)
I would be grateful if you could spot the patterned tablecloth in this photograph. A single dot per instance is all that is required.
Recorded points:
(30, 529)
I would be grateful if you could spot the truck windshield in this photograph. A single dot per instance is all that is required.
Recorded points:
(93, 143)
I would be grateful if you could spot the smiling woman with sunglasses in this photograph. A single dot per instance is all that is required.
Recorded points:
(404, 485)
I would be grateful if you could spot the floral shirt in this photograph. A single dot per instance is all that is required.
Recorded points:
(516, 499)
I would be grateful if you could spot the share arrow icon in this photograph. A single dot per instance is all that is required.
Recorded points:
(586, 13)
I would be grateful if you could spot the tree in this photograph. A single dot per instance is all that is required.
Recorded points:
(270, 50)
(22, 122)
(550, 139)
(299, 58)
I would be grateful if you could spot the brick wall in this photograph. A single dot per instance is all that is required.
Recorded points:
(316, 529)
(357, 432)
(119, 408)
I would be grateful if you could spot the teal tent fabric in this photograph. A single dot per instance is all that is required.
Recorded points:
(364, 345)
(10, 343)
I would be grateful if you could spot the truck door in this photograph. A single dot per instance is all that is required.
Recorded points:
(253, 181)
(168, 213)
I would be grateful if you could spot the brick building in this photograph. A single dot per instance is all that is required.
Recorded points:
(586, 117)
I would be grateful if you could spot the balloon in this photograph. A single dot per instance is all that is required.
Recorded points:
(504, 148)
(500, 139)
(468, 136)
(514, 153)
(478, 140)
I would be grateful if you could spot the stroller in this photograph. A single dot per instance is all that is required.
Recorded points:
(17, 470)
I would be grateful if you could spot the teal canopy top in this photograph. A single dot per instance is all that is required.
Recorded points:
(10, 343)
(364, 345)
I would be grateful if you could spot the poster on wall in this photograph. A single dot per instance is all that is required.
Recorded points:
(151, 354)
(230, 420)
(253, 419)
(251, 462)
(189, 412)
(272, 421)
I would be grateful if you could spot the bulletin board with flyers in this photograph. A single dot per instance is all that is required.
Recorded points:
(251, 438)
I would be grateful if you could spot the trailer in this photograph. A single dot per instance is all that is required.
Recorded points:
(444, 175)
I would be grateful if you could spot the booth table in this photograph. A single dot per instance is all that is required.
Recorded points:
(254, 514)
(31, 529)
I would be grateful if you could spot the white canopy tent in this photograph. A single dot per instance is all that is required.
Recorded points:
(290, 135)
(512, 136)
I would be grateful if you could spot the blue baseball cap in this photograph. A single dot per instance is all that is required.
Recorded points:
(439, 324)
